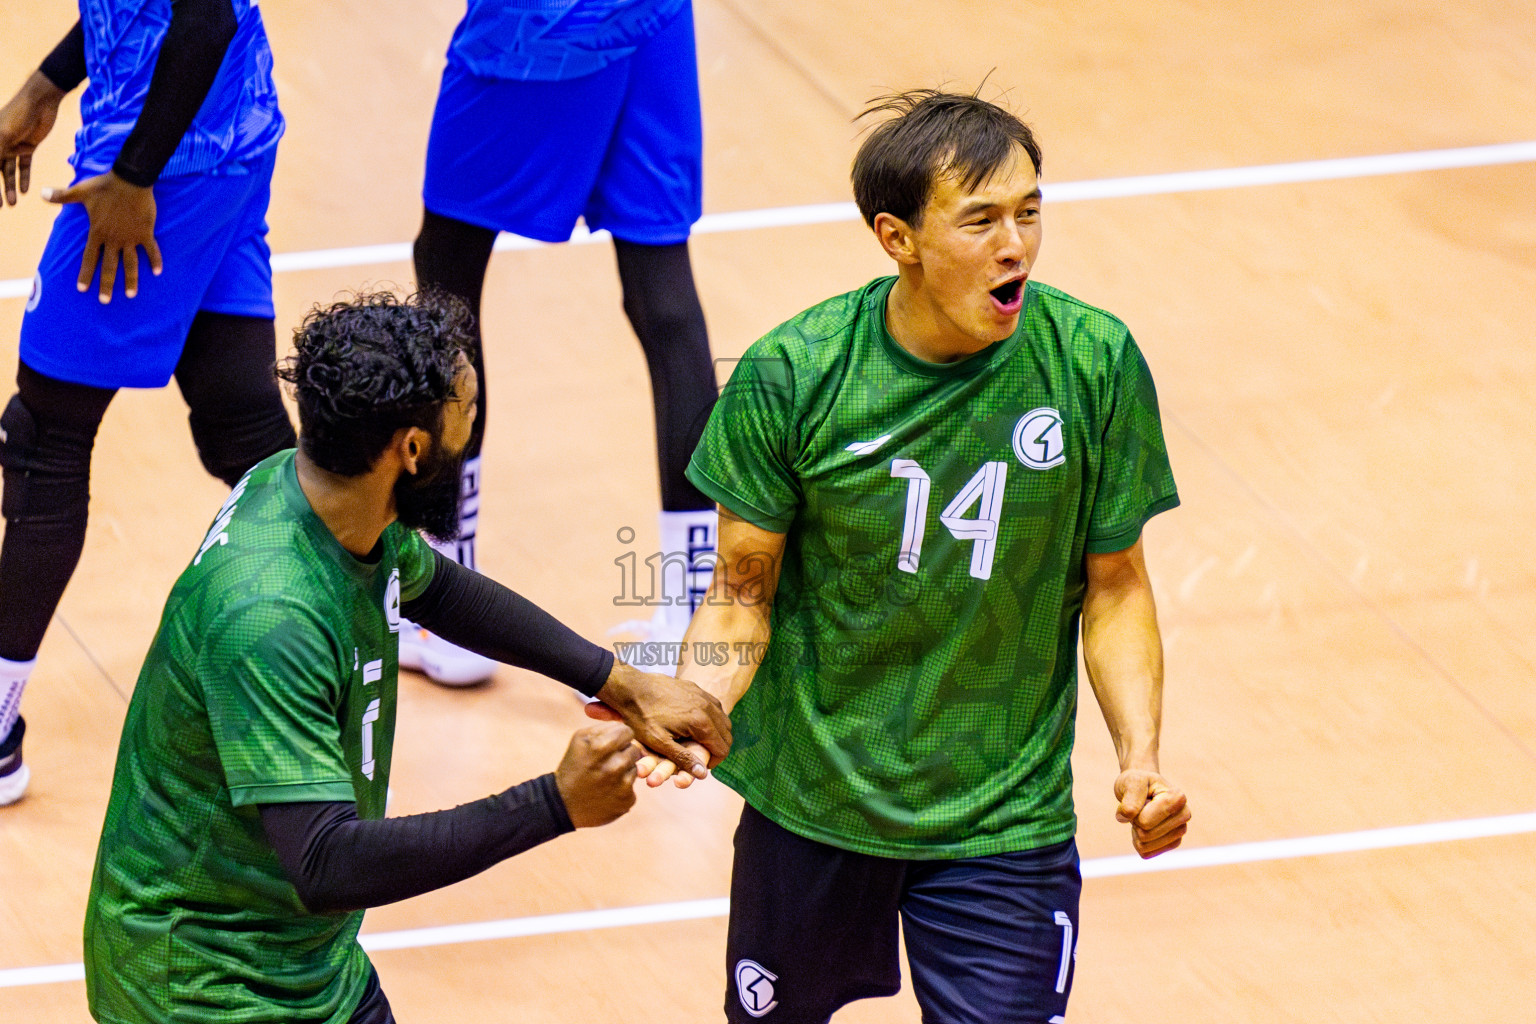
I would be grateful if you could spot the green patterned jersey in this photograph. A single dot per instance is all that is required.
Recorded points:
(917, 696)
(271, 680)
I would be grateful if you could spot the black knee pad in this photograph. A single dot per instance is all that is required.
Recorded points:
(46, 473)
(230, 446)
(18, 443)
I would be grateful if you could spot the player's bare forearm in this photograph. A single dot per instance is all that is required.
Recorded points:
(741, 631)
(1123, 652)
(735, 616)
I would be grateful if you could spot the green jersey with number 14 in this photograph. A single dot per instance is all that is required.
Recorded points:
(271, 680)
(917, 696)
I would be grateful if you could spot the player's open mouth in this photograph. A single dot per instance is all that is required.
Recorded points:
(1008, 297)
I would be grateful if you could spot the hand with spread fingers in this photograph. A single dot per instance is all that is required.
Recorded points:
(24, 123)
(1157, 811)
(666, 714)
(122, 221)
(596, 778)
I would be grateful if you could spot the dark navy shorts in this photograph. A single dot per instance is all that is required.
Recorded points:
(374, 1007)
(212, 233)
(990, 940)
(621, 148)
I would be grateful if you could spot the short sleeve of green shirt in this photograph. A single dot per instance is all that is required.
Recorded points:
(417, 563)
(1135, 479)
(269, 677)
(746, 457)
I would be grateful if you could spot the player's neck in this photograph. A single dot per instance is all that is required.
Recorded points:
(918, 326)
(356, 509)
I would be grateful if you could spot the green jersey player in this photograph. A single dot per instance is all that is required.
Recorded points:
(925, 486)
(245, 830)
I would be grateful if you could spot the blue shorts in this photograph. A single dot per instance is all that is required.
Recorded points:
(621, 148)
(990, 940)
(212, 232)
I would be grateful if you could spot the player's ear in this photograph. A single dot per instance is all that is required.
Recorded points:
(895, 237)
(412, 444)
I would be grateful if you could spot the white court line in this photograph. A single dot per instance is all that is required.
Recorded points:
(1064, 192)
(1314, 846)
(519, 927)
(1104, 867)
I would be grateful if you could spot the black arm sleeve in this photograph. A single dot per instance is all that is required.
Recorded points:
(65, 66)
(339, 862)
(478, 613)
(195, 43)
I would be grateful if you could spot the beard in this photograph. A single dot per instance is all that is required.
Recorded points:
(429, 500)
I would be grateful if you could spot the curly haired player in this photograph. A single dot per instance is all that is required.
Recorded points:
(245, 831)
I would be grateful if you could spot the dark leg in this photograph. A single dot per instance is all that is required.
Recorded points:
(451, 256)
(663, 307)
(49, 432)
(235, 409)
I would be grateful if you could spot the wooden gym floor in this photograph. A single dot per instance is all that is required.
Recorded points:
(1347, 594)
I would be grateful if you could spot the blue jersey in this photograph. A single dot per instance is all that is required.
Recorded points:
(554, 40)
(237, 123)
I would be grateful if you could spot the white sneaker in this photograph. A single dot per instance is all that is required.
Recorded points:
(14, 786)
(14, 774)
(445, 663)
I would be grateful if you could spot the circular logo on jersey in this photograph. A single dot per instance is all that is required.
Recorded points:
(392, 601)
(1037, 439)
(754, 987)
(37, 292)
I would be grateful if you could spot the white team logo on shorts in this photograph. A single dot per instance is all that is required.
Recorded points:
(1037, 439)
(392, 601)
(754, 987)
(37, 292)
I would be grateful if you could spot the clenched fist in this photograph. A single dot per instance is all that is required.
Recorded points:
(596, 778)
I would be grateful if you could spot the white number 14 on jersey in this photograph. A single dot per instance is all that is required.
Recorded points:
(986, 487)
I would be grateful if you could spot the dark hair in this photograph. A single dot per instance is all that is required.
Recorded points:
(363, 369)
(932, 134)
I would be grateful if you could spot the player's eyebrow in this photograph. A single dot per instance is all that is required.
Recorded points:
(981, 203)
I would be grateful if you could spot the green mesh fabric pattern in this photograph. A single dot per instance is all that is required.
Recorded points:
(917, 697)
(271, 680)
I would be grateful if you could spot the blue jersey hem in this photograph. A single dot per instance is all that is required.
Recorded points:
(73, 374)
